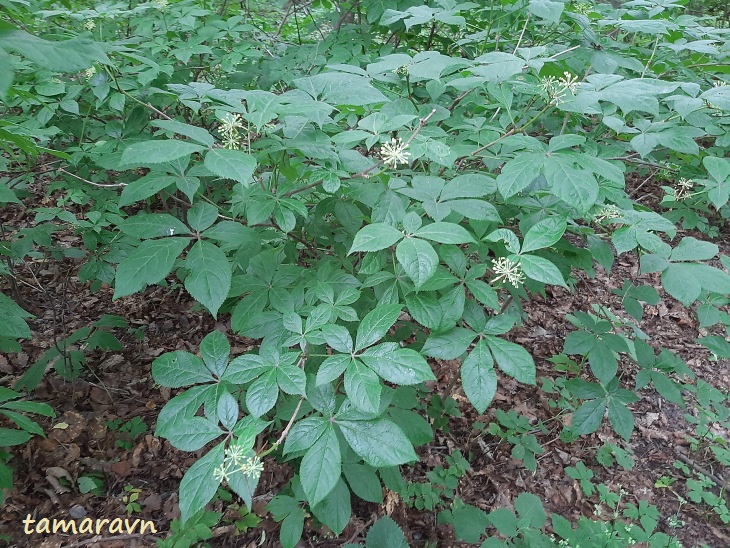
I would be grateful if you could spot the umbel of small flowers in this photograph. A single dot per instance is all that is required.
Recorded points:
(229, 126)
(393, 153)
(508, 271)
(236, 461)
(607, 213)
(683, 189)
(558, 88)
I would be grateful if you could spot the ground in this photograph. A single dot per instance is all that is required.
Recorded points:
(118, 386)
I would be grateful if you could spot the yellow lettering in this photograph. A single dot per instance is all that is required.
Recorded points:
(44, 526)
(116, 526)
(27, 521)
(146, 524)
(64, 526)
(87, 526)
(131, 529)
(100, 524)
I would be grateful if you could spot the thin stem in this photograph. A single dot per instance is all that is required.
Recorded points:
(100, 185)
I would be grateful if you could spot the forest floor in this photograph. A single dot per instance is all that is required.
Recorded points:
(115, 388)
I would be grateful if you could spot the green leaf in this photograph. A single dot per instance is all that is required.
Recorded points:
(261, 396)
(403, 366)
(529, 507)
(215, 350)
(716, 344)
(513, 359)
(227, 410)
(339, 88)
(542, 270)
(335, 510)
(621, 418)
(338, 338)
(692, 249)
(291, 379)
(320, 468)
(478, 378)
(199, 484)
(385, 533)
(425, 309)
(418, 259)
(152, 225)
(579, 342)
(157, 151)
(147, 265)
(449, 346)
(589, 416)
(180, 368)
(504, 521)
(194, 132)
(202, 215)
(518, 173)
(304, 433)
(375, 325)
(363, 482)
(469, 523)
(379, 442)
(60, 56)
(292, 528)
(332, 367)
(363, 387)
(604, 364)
(11, 437)
(544, 233)
(445, 233)
(374, 237)
(191, 433)
(231, 164)
(209, 279)
(6, 194)
(143, 188)
(576, 187)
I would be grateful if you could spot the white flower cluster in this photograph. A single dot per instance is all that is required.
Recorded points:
(683, 189)
(607, 213)
(235, 461)
(229, 126)
(90, 72)
(508, 271)
(393, 153)
(89, 25)
(161, 5)
(557, 88)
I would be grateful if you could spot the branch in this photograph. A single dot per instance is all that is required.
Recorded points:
(100, 185)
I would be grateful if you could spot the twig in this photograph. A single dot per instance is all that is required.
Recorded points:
(133, 98)
(101, 185)
(524, 28)
(290, 424)
(722, 484)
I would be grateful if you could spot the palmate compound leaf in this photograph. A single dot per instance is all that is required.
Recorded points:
(147, 265)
